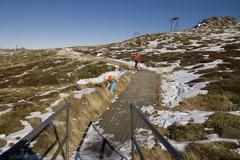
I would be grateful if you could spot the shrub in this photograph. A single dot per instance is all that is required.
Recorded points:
(189, 132)
(211, 151)
(225, 124)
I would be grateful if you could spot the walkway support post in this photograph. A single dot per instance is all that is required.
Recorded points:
(22, 146)
(67, 132)
(132, 131)
(155, 132)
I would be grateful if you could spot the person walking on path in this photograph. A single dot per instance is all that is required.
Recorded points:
(137, 59)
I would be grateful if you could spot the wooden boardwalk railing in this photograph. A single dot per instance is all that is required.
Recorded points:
(21, 149)
(167, 145)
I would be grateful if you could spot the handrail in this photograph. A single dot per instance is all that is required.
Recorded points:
(138, 148)
(25, 141)
(107, 142)
(166, 144)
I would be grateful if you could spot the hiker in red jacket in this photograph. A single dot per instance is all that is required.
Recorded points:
(137, 59)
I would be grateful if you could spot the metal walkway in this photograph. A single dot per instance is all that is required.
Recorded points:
(143, 90)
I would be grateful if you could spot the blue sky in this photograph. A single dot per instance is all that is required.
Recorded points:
(61, 23)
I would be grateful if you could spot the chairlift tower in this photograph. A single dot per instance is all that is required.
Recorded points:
(174, 24)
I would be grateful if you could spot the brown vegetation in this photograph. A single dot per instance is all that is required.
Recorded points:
(189, 132)
(88, 108)
(225, 124)
(210, 151)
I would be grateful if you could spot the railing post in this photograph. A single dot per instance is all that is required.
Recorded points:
(132, 130)
(102, 149)
(157, 134)
(14, 151)
(138, 148)
(67, 132)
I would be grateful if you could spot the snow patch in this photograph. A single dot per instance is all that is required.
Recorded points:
(5, 111)
(236, 150)
(226, 71)
(49, 110)
(216, 138)
(206, 66)
(221, 36)
(195, 43)
(70, 51)
(175, 87)
(114, 99)
(153, 43)
(46, 93)
(48, 69)
(164, 50)
(180, 146)
(15, 137)
(236, 113)
(101, 78)
(79, 94)
(161, 70)
(149, 109)
(166, 118)
(7, 105)
(5, 81)
(94, 138)
(212, 48)
(21, 75)
(145, 138)
(125, 149)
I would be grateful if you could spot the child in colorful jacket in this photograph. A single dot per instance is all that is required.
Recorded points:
(112, 83)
